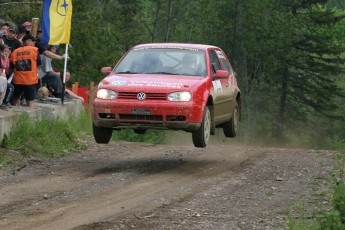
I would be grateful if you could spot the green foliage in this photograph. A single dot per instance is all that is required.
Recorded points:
(20, 11)
(47, 136)
(102, 31)
(2, 156)
(301, 224)
(340, 4)
(151, 136)
(335, 219)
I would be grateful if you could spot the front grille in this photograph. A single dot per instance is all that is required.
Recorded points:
(135, 117)
(149, 96)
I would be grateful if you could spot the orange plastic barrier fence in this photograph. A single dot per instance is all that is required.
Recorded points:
(83, 92)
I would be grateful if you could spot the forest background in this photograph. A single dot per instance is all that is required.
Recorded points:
(288, 55)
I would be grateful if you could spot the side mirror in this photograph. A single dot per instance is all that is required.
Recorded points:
(106, 70)
(222, 74)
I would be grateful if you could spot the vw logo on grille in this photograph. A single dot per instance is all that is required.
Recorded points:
(141, 96)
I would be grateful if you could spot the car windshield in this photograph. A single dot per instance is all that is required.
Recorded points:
(169, 61)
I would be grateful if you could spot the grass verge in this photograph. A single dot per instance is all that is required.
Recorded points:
(333, 217)
(47, 137)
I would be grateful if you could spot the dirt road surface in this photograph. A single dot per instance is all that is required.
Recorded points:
(126, 185)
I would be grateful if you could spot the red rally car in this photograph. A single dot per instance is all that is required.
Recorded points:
(175, 86)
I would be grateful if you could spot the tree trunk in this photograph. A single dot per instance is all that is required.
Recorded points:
(155, 23)
(234, 31)
(280, 121)
(168, 21)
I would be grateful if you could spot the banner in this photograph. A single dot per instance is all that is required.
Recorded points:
(56, 21)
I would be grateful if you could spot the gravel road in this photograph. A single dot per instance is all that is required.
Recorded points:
(126, 185)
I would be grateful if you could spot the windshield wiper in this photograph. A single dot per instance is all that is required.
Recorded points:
(127, 72)
(168, 73)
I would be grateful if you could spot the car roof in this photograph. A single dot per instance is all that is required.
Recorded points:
(175, 45)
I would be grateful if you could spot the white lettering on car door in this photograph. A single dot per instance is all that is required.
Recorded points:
(217, 86)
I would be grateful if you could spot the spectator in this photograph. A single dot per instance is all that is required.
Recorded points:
(11, 40)
(1, 21)
(5, 64)
(4, 28)
(25, 60)
(48, 76)
(43, 48)
(27, 26)
(21, 33)
(2, 38)
(54, 76)
(3, 87)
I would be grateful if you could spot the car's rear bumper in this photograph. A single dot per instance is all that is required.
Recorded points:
(161, 115)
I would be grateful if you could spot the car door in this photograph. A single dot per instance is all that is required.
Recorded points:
(223, 89)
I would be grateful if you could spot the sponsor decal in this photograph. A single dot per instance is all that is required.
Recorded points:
(173, 85)
(118, 83)
(167, 47)
(217, 86)
(143, 83)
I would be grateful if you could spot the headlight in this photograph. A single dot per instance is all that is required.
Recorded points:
(106, 94)
(180, 96)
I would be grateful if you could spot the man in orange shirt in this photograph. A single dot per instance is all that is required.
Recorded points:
(25, 79)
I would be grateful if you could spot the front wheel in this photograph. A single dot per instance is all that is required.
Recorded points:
(202, 136)
(102, 135)
(230, 128)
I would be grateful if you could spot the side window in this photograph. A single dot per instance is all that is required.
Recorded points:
(225, 62)
(215, 65)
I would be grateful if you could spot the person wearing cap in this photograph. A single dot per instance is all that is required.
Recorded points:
(11, 40)
(27, 26)
(21, 33)
(25, 61)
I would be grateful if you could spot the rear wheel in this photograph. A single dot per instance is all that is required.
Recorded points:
(202, 136)
(102, 135)
(230, 128)
(140, 131)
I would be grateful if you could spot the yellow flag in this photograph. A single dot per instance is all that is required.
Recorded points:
(56, 21)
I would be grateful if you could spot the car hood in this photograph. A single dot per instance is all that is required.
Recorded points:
(148, 82)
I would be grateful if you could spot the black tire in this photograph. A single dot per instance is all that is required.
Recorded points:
(102, 135)
(140, 131)
(230, 128)
(202, 136)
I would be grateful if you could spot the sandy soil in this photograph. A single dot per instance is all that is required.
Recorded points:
(126, 185)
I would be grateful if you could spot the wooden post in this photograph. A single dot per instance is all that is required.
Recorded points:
(75, 87)
(91, 89)
(34, 26)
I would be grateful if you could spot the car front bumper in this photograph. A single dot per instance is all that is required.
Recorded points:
(185, 116)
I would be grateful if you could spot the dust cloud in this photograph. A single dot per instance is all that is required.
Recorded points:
(183, 138)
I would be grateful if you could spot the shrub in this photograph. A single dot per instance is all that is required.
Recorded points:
(335, 219)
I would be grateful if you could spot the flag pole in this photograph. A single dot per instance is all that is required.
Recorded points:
(64, 74)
